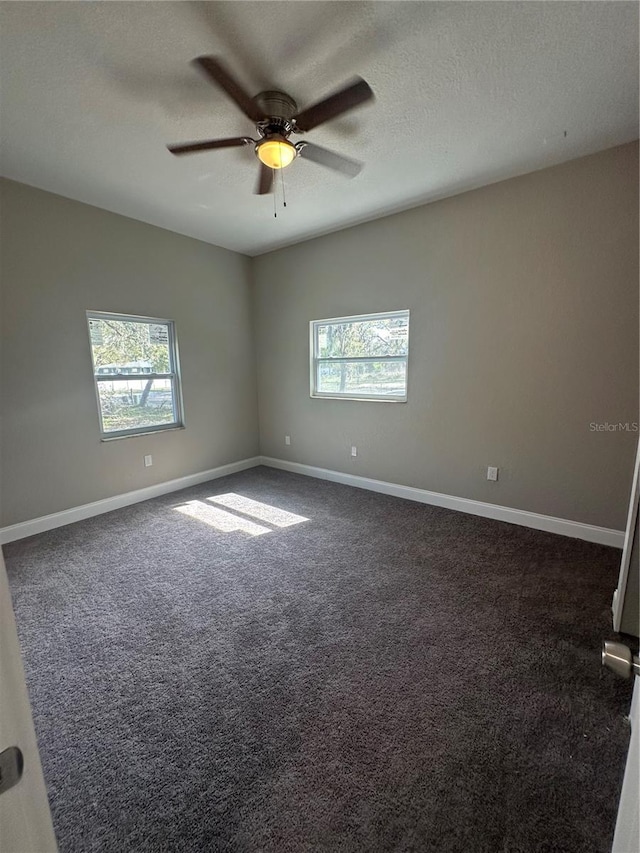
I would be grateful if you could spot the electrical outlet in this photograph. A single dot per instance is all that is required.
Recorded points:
(148, 461)
(354, 451)
(287, 439)
(492, 473)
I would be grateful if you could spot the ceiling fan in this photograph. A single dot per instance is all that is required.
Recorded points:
(275, 115)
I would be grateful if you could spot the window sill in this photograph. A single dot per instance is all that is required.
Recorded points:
(358, 399)
(146, 432)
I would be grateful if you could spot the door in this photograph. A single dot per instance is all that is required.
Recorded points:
(25, 820)
(625, 599)
(627, 619)
(627, 837)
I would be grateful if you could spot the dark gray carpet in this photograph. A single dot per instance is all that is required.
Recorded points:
(385, 676)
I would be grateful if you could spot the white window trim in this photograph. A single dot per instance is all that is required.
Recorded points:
(315, 361)
(174, 376)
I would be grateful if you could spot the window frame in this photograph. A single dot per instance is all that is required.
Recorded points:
(315, 360)
(174, 376)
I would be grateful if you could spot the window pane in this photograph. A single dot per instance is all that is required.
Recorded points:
(135, 403)
(127, 346)
(381, 378)
(375, 337)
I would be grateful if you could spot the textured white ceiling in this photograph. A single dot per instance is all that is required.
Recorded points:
(467, 93)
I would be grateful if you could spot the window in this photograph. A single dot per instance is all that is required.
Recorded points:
(361, 358)
(135, 366)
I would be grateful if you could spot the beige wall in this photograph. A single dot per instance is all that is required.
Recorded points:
(60, 258)
(524, 331)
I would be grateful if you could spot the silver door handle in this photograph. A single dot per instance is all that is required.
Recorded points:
(617, 657)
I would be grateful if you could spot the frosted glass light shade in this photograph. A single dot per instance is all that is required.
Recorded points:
(276, 153)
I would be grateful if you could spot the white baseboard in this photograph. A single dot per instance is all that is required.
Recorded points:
(78, 513)
(562, 526)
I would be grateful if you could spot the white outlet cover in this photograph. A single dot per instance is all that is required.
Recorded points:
(148, 461)
(354, 451)
(287, 439)
(492, 473)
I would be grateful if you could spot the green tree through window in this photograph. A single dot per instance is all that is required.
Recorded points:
(135, 367)
(362, 357)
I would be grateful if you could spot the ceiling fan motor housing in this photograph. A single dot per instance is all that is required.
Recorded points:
(276, 104)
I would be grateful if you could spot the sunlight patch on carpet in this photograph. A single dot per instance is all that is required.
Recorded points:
(223, 521)
(257, 509)
(233, 518)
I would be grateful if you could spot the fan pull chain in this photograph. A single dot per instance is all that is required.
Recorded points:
(275, 215)
(284, 197)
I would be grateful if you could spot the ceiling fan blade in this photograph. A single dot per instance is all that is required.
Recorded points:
(356, 93)
(265, 180)
(209, 145)
(216, 71)
(330, 159)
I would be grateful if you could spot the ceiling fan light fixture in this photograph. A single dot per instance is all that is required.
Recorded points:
(276, 153)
